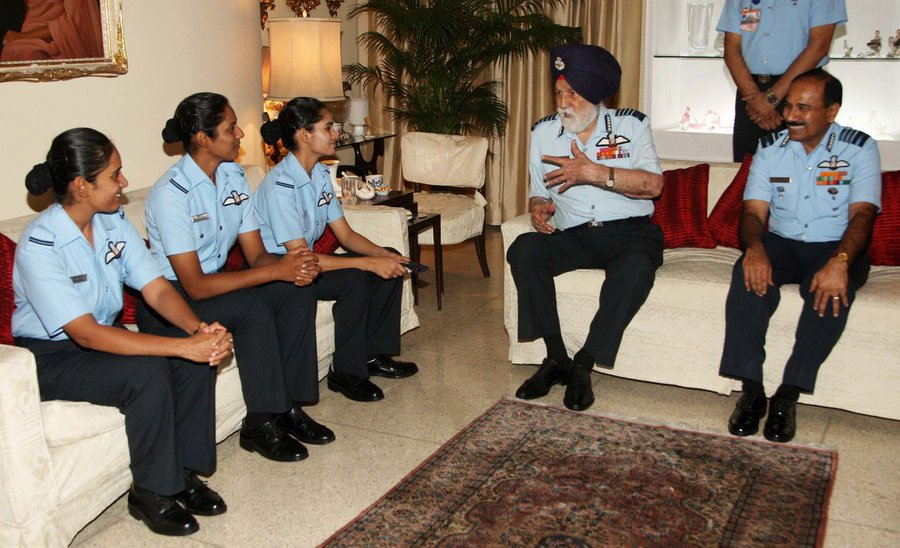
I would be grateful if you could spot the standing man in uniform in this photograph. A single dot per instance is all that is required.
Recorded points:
(768, 43)
(594, 171)
(819, 187)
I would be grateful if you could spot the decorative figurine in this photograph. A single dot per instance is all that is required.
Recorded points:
(875, 44)
(712, 120)
(894, 45)
(685, 119)
(848, 50)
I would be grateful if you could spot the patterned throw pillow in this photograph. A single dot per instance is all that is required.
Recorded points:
(681, 210)
(327, 244)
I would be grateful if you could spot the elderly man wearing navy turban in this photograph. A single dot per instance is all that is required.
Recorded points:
(594, 172)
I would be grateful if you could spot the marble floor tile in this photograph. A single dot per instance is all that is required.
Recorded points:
(462, 355)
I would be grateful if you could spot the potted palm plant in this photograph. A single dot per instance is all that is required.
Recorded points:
(434, 54)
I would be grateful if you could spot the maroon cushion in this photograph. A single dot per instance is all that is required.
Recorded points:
(7, 298)
(885, 246)
(725, 217)
(327, 244)
(235, 260)
(681, 209)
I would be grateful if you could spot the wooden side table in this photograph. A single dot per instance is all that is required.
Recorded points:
(417, 225)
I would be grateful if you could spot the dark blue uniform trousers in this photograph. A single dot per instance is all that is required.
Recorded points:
(366, 315)
(630, 255)
(169, 404)
(274, 328)
(747, 315)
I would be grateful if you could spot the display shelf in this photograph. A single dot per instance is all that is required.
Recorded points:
(676, 79)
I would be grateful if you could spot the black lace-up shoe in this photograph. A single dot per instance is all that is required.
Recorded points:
(270, 441)
(198, 498)
(548, 374)
(744, 421)
(162, 514)
(300, 425)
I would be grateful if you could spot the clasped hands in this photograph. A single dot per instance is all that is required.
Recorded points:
(829, 283)
(210, 343)
(761, 111)
(301, 266)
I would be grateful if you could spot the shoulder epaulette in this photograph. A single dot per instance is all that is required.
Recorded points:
(544, 119)
(853, 136)
(631, 112)
(175, 183)
(768, 139)
(42, 236)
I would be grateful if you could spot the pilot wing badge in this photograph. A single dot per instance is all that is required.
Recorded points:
(235, 199)
(326, 198)
(114, 251)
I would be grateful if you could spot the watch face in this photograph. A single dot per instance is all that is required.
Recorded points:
(610, 183)
(772, 98)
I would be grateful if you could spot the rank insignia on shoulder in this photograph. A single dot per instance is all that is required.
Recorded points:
(544, 119)
(853, 136)
(631, 112)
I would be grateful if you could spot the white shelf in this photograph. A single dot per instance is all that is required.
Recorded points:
(674, 79)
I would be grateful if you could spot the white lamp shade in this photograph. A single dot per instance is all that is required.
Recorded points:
(305, 59)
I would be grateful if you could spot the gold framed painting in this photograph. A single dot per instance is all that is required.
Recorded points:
(61, 39)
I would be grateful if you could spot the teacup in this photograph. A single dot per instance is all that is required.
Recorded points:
(378, 184)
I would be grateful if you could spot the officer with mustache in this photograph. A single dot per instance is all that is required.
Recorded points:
(818, 186)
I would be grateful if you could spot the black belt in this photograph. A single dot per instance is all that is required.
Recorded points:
(601, 224)
(766, 79)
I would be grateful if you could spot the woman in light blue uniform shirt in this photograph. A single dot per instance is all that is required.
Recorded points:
(196, 212)
(295, 203)
(69, 269)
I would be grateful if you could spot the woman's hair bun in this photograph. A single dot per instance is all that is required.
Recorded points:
(271, 132)
(39, 180)
(170, 132)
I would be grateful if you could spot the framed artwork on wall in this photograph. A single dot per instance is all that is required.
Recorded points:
(46, 40)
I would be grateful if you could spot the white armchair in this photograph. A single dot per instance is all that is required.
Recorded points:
(453, 161)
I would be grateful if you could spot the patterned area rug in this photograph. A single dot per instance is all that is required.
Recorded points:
(531, 475)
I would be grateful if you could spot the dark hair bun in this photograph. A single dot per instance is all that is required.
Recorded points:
(170, 132)
(271, 132)
(38, 181)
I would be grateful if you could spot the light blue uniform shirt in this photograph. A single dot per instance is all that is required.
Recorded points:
(187, 212)
(782, 31)
(809, 195)
(58, 276)
(621, 139)
(291, 205)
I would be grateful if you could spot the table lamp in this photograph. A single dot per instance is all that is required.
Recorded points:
(359, 111)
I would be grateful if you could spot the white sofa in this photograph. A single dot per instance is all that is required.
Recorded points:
(62, 463)
(676, 338)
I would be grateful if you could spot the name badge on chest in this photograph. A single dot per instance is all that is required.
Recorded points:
(199, 217)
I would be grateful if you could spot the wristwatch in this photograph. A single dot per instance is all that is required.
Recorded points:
(611, 180)
(771, 98)
(841, 257)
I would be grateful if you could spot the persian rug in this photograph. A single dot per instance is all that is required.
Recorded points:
(531, 475)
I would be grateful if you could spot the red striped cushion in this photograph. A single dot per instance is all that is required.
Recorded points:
(327, 244)
(7, 298)
(885, 246)
(681, 209)
(725, 217)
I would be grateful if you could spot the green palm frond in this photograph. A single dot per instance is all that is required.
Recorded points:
(434, 51)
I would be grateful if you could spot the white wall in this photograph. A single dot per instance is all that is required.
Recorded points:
(175, 48)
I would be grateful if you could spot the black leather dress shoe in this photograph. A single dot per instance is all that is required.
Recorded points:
(300, 425)
(198, 498)
(782, 422)
(579, 393)
(548, 374)
(355, 388)
(270, 441)
(163, 515)
(386, 366)
(744, 420)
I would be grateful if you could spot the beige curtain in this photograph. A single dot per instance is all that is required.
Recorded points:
(613, 24)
